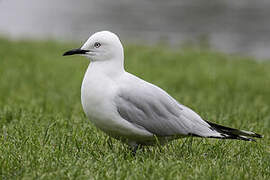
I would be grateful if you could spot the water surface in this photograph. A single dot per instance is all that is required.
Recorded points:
(231, 26)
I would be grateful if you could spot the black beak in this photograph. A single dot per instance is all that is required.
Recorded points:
(75, 51)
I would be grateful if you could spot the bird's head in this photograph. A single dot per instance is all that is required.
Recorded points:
(101, 46)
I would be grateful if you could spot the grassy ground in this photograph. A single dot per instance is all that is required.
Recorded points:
(45, 134)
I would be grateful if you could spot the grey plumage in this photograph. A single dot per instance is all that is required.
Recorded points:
(149, 107)
(131, 109)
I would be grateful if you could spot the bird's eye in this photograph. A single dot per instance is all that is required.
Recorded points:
(97, 45)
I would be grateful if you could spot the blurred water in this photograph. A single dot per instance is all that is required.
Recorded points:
(233, 26)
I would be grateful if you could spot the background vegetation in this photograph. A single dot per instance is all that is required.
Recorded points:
(44, 133)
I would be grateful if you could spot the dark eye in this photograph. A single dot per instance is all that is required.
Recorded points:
(97, 45)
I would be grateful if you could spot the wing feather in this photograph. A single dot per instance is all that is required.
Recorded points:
(152, 108)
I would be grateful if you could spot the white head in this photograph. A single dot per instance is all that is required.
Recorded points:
(101, 46)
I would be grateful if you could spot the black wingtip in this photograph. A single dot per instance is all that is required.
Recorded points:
(258, 135)
(231, 133)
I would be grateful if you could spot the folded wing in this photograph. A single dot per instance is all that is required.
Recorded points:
(151, 108)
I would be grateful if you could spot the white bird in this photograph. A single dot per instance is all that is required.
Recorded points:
(133, 110)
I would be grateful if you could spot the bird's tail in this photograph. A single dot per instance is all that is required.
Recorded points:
(231, 133)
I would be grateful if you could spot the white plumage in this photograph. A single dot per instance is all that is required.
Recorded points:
(131, 109)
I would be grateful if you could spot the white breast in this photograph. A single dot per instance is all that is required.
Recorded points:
(97, 96)
(95, 99)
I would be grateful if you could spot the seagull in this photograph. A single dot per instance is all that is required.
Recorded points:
(132, 110)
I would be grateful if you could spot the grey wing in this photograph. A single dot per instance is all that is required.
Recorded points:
(153, 109)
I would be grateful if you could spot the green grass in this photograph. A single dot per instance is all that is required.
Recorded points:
(44, 133)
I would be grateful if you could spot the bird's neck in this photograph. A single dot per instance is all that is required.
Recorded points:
(111, 68)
